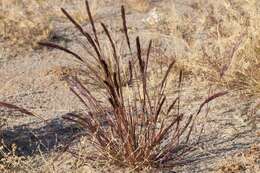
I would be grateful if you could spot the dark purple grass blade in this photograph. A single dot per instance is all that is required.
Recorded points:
(111, 42)
(92, 23)
(161, 90)
(179, 91)
(172, 105)
(125, 27)
(148, 55)
(118, 75)
(73, 21)
(159, 109)
(52, 45)
(167, 73)
(139, 55)
(214, 96)
(77, 25)
(11, 106)
(130, 80)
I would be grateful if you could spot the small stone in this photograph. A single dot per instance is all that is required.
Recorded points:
(154, 17)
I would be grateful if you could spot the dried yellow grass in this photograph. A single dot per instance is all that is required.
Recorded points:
(228, 54)
(138, 5)
(23, 23)
(246, 161)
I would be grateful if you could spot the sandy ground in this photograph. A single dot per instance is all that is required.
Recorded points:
(32, 79)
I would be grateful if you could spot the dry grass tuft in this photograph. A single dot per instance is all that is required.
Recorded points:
(9, 161)
(223, 40)
(23, 23)
(136, 126)
(247, 161)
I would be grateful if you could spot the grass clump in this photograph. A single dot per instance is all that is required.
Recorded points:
(246, 161)
(136, 125)
(23, 23)
(228, 54)
(20, 24)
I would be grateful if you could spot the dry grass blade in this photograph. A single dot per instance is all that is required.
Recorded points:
(77, 25)
(214, 96)
(52, 45)
(92, 43)
(19, 109)
(148, 55)
(72, 20)
(125, 28)
(163, 82)
(130, 68)
(179, 91)
(84, 94)
(159, 109)
(14, 107)
(111, 42)
(116, 75)
(172, 105)
(92, 23)
(167, 73)
(139, 56)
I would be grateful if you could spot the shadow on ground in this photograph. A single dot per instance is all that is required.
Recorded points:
(48, 137)
(52, 135)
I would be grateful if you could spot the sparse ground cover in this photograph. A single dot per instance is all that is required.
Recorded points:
(215, 43)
